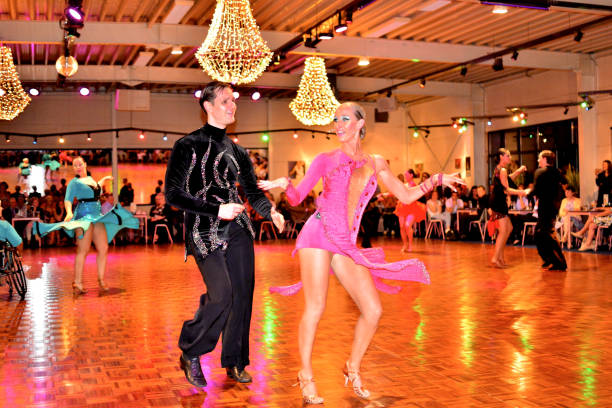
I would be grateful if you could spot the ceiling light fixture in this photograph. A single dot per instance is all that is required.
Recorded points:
(363, 61)
(340, 27)
(515, 55)
(498, 65)
(463, 70)
(176, 50)
(578, 36)
(500, 9)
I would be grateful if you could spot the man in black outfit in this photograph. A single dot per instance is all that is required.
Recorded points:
(547, 188)
(201, 180)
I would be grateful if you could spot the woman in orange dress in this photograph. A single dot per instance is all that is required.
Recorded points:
(408, 214)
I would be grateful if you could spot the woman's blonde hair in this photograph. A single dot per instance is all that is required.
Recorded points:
(359, 113)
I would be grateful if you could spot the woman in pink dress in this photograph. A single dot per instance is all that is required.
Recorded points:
(409, 214)
(329, 239)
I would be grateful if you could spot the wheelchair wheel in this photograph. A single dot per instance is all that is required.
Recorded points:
(16, 275)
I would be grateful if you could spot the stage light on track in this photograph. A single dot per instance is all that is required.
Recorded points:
(515, 55)
(197, 94)
(255, 95)
(415, 133)
(489, 122)
(7, 138)
(165, 137)
(34, 92)
(61, 139)
(35, 140)
(236, 94)
(422, 83)
(463, 71)
(235, 139)
(84, 91)
(498, 65)
(141, 135)
(566, 110)
(328, 35)
(265, 138)
(340, 27)
(295, 134)
(578, 36)
(498, 9)
(89, 137)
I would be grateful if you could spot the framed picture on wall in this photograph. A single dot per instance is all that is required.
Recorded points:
(468, 166)
(457, 163)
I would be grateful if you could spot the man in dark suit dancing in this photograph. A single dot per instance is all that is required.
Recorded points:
(547, 188)
(201, 179)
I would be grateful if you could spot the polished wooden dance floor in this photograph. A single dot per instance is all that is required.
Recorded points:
(477, 337)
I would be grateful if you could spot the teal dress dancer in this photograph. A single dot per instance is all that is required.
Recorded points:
(8, 234)
(47, 161)
(88, 211)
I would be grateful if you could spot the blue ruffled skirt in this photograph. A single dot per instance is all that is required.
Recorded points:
(88, 213)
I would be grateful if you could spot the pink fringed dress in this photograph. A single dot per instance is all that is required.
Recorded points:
(348, 185)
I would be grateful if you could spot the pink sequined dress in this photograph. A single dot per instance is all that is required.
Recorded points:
(348, 185)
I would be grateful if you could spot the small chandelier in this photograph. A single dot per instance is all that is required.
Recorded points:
(234, 50)
(13, 99)
(315, 103)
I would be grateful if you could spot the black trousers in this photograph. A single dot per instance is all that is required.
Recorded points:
(547, 244)
(226, 307)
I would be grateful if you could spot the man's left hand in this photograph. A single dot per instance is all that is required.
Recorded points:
(278, 220)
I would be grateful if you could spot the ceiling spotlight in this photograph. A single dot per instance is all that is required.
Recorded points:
(415, 134)
(587, 103)
(165, 137)
(578, 36)
(176, 50)
(34, 92)
(341, 27)
(84, 91)
(389, 93)
(35, 140)
(89, 137)
(265, 138)
(363, 61)
(235, 139)
(61, 139)
(566, 110)
(328, 35)
(498, 65)
(422, 83)
(7, 138)
(75, 13)
(236, 94)
(489, 122)
(514, 55)
(255, 95)
(295, 134)
(500, 9)
(349, 16)
(277, 59)
(141, 136)
(197, 94)
(463, 71)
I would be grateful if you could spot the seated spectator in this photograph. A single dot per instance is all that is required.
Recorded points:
(159, 215)
(570, 203)
(454, 203)
(435, 211)
(157, 191)
(602, 219)
(604, 182)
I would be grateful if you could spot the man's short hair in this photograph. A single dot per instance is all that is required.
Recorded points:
(210, 92)
(549, 155)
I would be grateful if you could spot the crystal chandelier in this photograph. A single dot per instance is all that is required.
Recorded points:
(315, 103)
(234, 50)
(13, 98)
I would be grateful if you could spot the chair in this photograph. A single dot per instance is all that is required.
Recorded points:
(167, 230)
(436, 224)
(270, 226)
(480, 223)
(527, 225)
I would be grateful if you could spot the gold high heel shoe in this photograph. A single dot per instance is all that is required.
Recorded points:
(103, 287)
(78, 289)
(355, 379)
(304, 382)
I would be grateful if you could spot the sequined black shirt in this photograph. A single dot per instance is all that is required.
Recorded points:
(202, 173)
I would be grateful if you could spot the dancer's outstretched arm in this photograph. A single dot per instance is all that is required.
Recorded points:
(296, 195)
(409, 194)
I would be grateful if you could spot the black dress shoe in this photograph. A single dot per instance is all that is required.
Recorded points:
(193, 371)
(239, 375)
(558, 268)
(546, 265)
